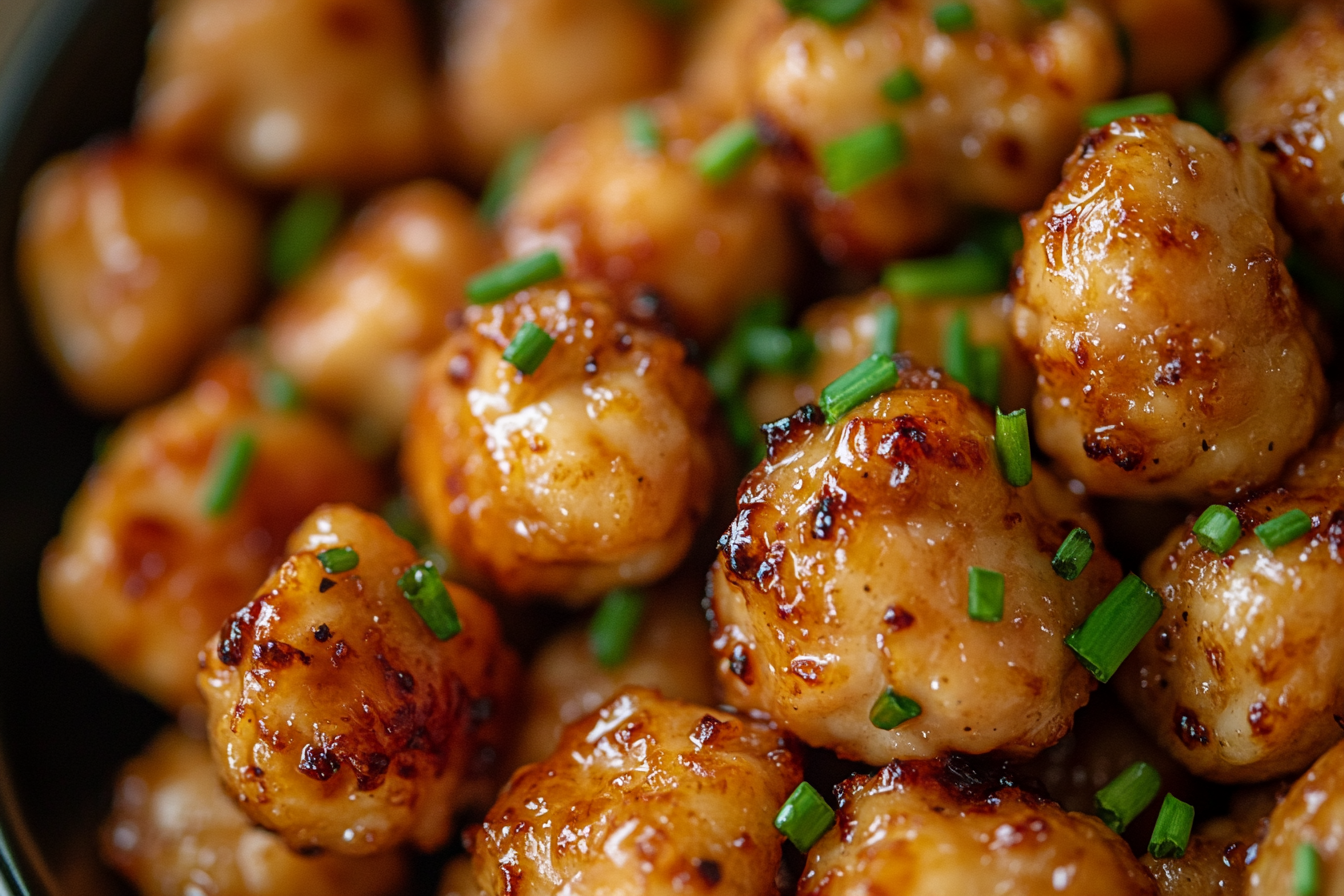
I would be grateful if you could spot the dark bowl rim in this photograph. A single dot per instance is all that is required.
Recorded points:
(35, 55)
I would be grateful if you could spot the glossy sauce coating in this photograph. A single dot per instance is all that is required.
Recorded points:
(1312, 812)
(930, 829)
(140, 575)
(173, 831)
(1286, 99)
(132, 265)
(336, 717)
(646, 220)
(514, 69)
(1168, 339)
(1242, 676)
(646, 795)
(353, 331)
(1214, 863)
(592, 472)
(998, 113)
(845, 572)
(290, 93)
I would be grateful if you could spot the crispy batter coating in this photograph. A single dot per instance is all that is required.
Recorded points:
(670, 654)
(174, 831)
(931, 829)
(335, 715)
(132, 265)
(517, 68)
(998, 113)
(592, 472)
(1173, 45)
(284, 93)
(648, 221)
(354, 331)
(645, 795)
(1313, 812)
(1168, 338)
(845, 572)
(843, 327)
(140, 575)
(1286, 99)
(1241, 677)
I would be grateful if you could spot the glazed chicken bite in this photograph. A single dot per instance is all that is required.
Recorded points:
(152, 556)
(514, 69)
(592, 472)
(994, 113)
(354, 331)
(1168, 339)
(645, 795)
(132, 265)
(934, 828)
(1310, 818)
(174, 831)
(1215, 861)
(284, 92)
(1286, 98)
(337, 717)
(845, 574)
(645, 220)
(1242, 676)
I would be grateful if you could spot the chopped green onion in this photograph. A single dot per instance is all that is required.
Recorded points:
(871, 376)
(1115, 627)
(404, 519)
(278, 391)
(726, 370)
(725, 153)
(507, 176)
(1102, 114)
(804, 817)
(832, 12)
(984, 596)
(338, 559)
(886, 327)
(1171, 833)
(301, 231)
(1012, 443)
(422, 586)
(230, 463)
(1306, 870)
(778, 349)
(862, 157)
(902, 85)
(985, 363)
(1201, 107)
(998, 235)
(742, 429)
(1217, 529)
(1073, 555)
(1127, 795)
(529, 347)
(1046, 9)
(953, 17)
(641, 130)
(891, 709)
(1283, 528)
(957, 348)
(506, 279)
(614, 625)
(959, 274)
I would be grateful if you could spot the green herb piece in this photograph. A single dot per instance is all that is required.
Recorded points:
(422, 586)
(778, 349)
(1102, 114)
(804, 817)
(957, 348)
(1073, 555)
(871, 376)
(984, 596)
(985, 364)
(614, 626)
(1201, 107)
(902, 85)
(832, 12)
(862, 157)
(891, 709)
(951, 18)
(1046, 9)
(338, 559)
(1217, 529)
(528, 348)
(959, 274)
(1115, 627)
(300, 232)
(507, 176)
(1012, 443)
(278, 391)
(1306, 870)
(505, 279)
(1283, 528)
(1127, 795)
(727, 152)
(229, 465)
(642, 133)
(886, 327)
(1171, 833)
